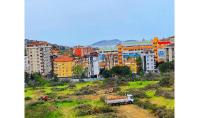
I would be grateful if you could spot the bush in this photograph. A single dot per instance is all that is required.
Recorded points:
(58, 89)
(107, 73)
(87, 109)
(150, 76)
(137, 93)
(83, 109)
(52, 95)
(167, 79)
(161, 112)
(165, 93)
(43, 110)
(166, 67)
(105, 109)
(71, 85)
(28, 98)
(151, 86)
(85, 91)
(37, 103)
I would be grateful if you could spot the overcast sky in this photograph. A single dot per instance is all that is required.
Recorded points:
(72, 22)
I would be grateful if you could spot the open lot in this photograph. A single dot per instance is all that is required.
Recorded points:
(66, 100)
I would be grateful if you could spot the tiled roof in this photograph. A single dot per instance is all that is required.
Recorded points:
(63, 59)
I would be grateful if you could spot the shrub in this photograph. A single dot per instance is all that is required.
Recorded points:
(28, 98)
(161, 112)
(71, 85)
(166, 67)
(83, 109)
(150, 76)
(85, 91)
(37, 103)
(105, 109)
(52, 95)
(137, 93)
(151, 86)
(167, 79)
(87, 109)
(165, 93)
(58, 89)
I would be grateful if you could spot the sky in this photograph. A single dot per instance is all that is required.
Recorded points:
(83, 22)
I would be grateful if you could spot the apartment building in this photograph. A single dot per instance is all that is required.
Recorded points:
(62, 66)
(93, 65)
(27, 65)
(108, 57)
(39, 53)
(170, 53)
(148, 61)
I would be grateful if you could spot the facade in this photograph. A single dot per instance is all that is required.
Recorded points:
(170, 52)
(81, 51)
(148, 61)
(108, 57)
(131, 63)
(39, 55)
(93, 65)
(62, 66)
(27, 65)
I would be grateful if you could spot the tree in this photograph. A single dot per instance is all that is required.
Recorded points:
(55, 78)
(121, 71)
(107, 73)
(139, 65)
(78, 71)
(166, 67)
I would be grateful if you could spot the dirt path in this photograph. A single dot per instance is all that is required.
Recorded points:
(133, 111)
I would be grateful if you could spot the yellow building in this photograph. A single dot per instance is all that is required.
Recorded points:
(63, 66)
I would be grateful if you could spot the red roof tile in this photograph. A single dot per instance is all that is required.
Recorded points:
(63, 59)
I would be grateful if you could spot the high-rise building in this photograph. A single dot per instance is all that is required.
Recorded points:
(39, 53)
(148, 61)
(27, 65)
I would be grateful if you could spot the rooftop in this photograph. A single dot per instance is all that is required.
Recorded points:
(63, 59)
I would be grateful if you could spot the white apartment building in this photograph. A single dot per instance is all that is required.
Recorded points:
(148, 61)
(27, 65)
(39, 58)
(93, 68)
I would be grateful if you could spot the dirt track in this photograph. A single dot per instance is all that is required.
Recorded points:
(133, 111)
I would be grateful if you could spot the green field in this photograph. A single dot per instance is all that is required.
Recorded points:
(65, 108)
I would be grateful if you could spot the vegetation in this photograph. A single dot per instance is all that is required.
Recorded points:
(34, 80)
(107, 73)
(139, 66)
(121, 71)
(161, 112)
(167, 79)
(166, 67)
(78, 71)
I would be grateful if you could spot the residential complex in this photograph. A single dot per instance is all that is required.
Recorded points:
(45, 60)
(38, 54)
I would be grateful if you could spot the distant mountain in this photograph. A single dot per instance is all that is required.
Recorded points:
(130, 41)
(107, 43)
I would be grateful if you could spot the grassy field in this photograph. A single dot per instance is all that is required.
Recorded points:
(137, 85)
(65, 108)
(159, 100)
